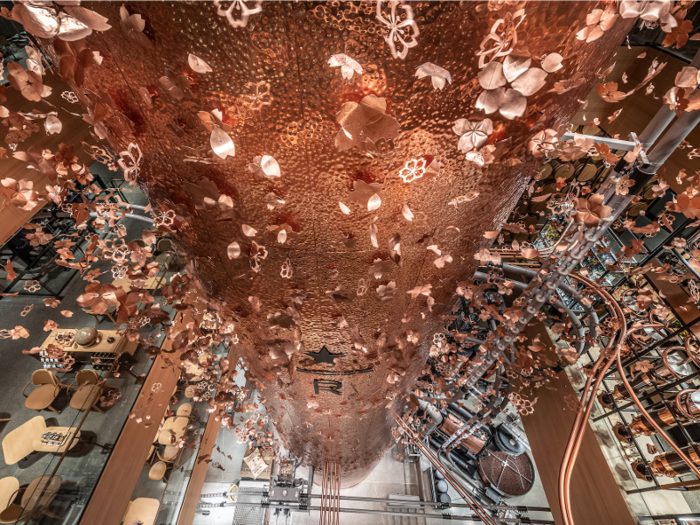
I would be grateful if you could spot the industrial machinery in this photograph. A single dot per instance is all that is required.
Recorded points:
(495, 456)
(669, 368)
(668, 464)
(685, 407)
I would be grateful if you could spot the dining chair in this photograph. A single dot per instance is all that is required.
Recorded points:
(88, 391)
(8, 490)
(12, 514)
(36, 499)
(170, 453)
(184, 410)
(164, 245)
(101, 317)
(42, 397)
(157, 471)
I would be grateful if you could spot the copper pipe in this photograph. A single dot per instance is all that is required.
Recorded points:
(664, 358)
(679, 405)
(658, 429)
(473, 504)
(692, 354)
(337, 495)
(564, 483)
(326, 508)
(332, 483)
(579, 428)
(322, 506)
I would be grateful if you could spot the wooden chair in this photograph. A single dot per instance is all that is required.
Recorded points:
(12, 514)
(88, 391)
(42, 397)
(184, 410)
(142, 509)
(36, 500)
(157, 471)
(170, 454)
(164, 245)
(101, 317)
(9, 487)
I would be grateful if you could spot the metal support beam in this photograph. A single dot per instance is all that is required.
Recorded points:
(693, 484)
(626, 145)
(441, 517)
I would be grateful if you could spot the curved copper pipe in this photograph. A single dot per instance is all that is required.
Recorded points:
(578, 430)
(664, 358)
(658, 429)
(681, 408)
(655, 326)
(692, 354)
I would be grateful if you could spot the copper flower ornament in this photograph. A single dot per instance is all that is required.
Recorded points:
(28, 83)
(543, 143)
(598, 22)
(20, 193)
(401, 32)
(438, 76)
(365, 124)
(650, 12)
(524, 80)
(348, 65)
(239, 8)
(133, 26)
(56, 19)
(590, 211)
(472, 134)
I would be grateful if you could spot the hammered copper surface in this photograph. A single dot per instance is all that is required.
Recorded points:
(287, 47)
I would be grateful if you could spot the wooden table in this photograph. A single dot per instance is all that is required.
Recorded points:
(69, 442)
(144, 510)
(102, 347)
(86, 353)
(26, 439)
(177, 424)
(18, 443)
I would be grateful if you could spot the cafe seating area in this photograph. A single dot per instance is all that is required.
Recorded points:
(169, 462)
(62, 412)
(28, 501)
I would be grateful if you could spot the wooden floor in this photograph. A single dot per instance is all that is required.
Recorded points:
(595, 495)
